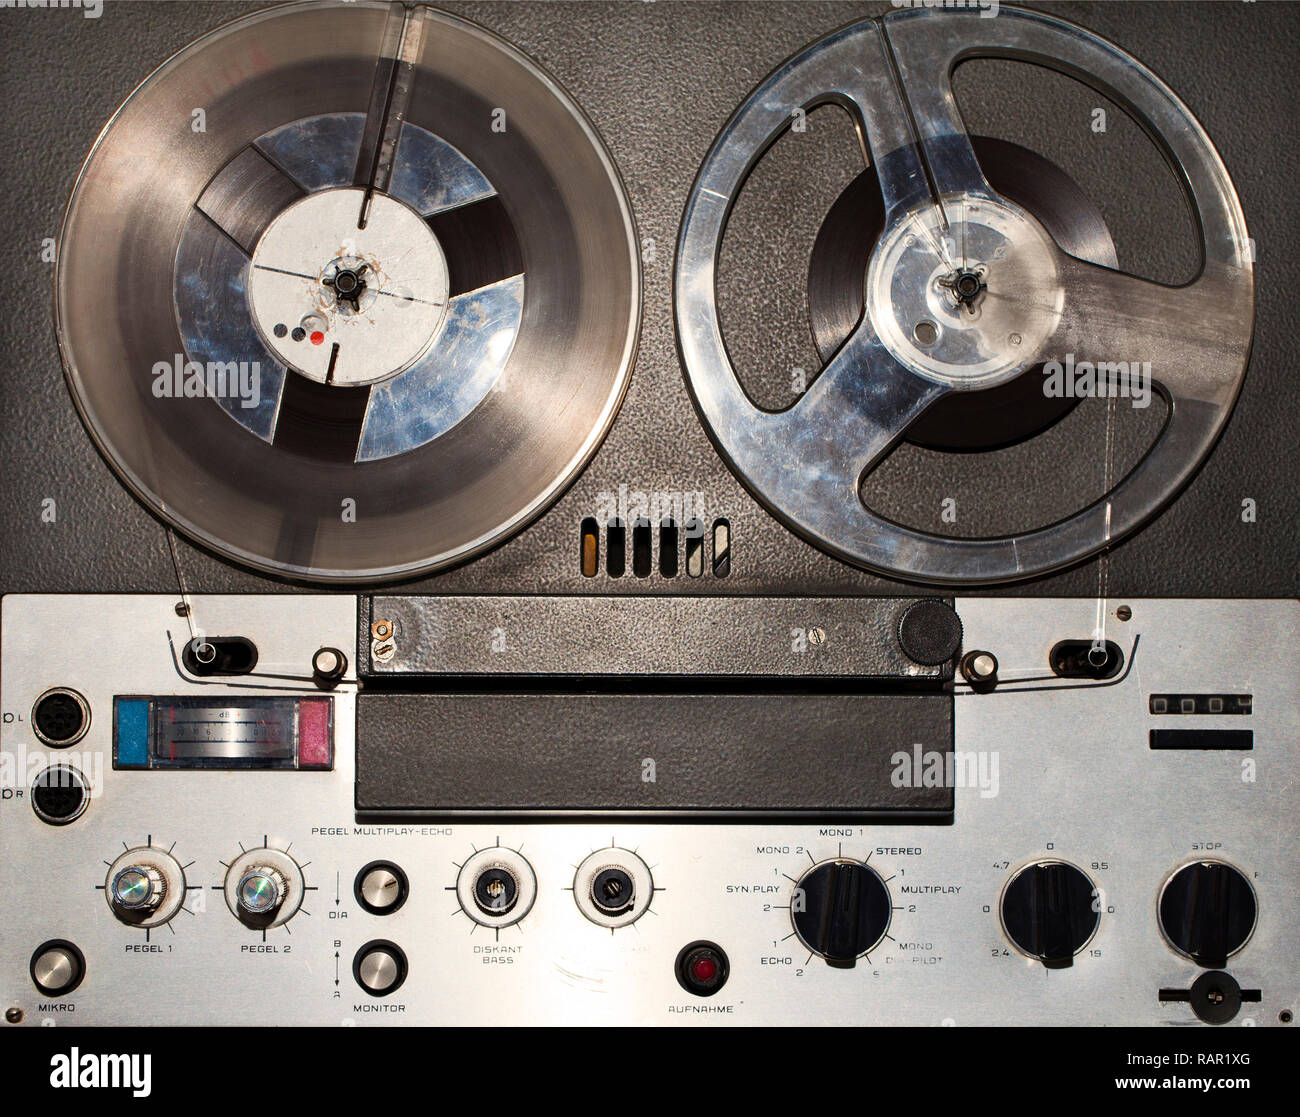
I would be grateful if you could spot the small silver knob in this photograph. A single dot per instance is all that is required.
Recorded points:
(379, 967)
(137, 889)
(57, 968)
(381, 888)
(260, 893)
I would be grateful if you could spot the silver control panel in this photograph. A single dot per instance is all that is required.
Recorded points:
(183, 848)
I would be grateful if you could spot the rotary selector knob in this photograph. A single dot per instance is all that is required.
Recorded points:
(613, 887)
(1207, 912)
(381, 887)
(380, 967)
(841, 910)
(1050, 911)
(496, 887)
(145, 887)
(264, 888)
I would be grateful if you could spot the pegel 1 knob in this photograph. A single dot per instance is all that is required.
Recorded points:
(145, 886)
(137, 889)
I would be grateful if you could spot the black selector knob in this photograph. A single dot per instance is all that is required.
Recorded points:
(841, 910)
(1050, 911)
(1207, 912)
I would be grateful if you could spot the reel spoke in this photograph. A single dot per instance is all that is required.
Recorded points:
(1190, 338)
(849, 418)
(911, 123)
(245, 197)
(864, 398)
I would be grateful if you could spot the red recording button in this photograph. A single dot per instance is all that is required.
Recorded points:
(702, 968)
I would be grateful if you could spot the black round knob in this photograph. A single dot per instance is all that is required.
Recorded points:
(929, 632)
(613, 891)
(1216, 997)
(841, 910)
(380, 967)
(1050, 910)
(328, 666)
(1207, 912)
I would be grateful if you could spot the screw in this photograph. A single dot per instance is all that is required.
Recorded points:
(816, 636)
(15, 1015)
(381, 630)
(1284, 1017)
(1124, 613)
(182, 610)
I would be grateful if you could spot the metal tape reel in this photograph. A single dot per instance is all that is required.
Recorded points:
(1039, 303)
(431, 379)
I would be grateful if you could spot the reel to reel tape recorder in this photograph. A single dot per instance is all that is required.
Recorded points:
(511, 628)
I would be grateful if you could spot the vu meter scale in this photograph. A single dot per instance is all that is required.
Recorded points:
(191, 732)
